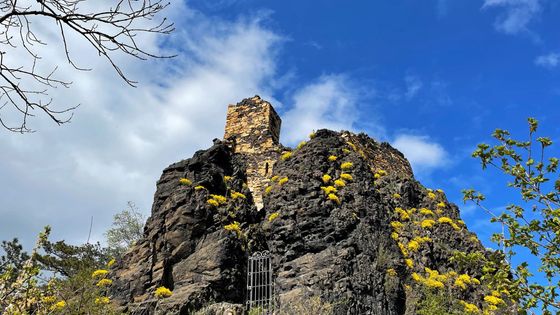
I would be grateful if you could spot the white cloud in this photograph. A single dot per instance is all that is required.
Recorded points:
(413, 86)
(121, 138)
(517, 16)
(550, 60)
(423, 154)
(330, 102)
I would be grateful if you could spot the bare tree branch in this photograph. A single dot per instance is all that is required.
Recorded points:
(24, 89)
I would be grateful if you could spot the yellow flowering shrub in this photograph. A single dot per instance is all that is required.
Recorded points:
(268, 189)
(470, 308)
(334, 198)
(326, 178)
(413, 246)
(404, 215)
(273, 216)
(449, 221)
(329, 190)
(396, 196)
(283, 180)
(234, 227)
(409, 263)
(339, 183)
(425, 211)
(199, 187)
(439, 191)
(333, 158)
(433, 280)
(220, 199)
(286, 155)
(493, 300)
(102, 300)
(426, 224)
(185, 181)
(104, 282)
(312, 135)
(431, 195)
(58, 306)
(213, 202)
(441, 204)
(403, 249)
(391, 272)
(462, 281)
(301, 144)
(227, 178)
(396, 225)
(346, 176)
(111, 262)
(395, 236)
(346, 165)
(99, 273)
(274, 178)
(163, 292)
(235, 195)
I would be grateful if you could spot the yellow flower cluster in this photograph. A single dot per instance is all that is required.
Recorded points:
(329, 189)
(396, 225)
(102, 300)
(104, 282)
(199, 187)
(426, 224)
(346, 151)
(425, 211)
(283, 180)
(431, 195)
(346, 176)
(413, 246)
(409, 263)
(312, 135)
(216, 200)
(441, 204)
(493, 300)
(333, 158)
(235, 227)
(227, 178)
(391, 272)
(274, 178)
(286, 155)
(404, 215)
(403, 249)
(334, 198)
(439, 191)
(326, 178)
(433, 280)
(353, 146)
(111, 262)
(235, 195)
(470, 308)
(449, 221)
(395, 236)
(268, 189)
(396, 196)
(339, 183)
(185, 181)
(58, 306)
(163, 292)
(301, 144)
(99, 273)
(379, 173)
(346, 165)
(463, 280)
(273, 216)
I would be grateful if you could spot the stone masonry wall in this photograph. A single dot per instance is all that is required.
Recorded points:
(253, 128)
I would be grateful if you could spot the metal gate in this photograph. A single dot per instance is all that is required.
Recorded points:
(260, 284)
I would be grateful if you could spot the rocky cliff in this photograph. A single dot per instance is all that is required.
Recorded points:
(344, 220)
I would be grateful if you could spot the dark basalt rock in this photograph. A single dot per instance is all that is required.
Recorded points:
(339, 252)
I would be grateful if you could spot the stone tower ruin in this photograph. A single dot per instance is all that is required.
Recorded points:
(253, 129)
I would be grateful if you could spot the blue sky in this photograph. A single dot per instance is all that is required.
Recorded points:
(434, 78)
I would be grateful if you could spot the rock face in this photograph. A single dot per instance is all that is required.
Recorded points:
(342, 215)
